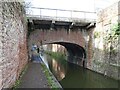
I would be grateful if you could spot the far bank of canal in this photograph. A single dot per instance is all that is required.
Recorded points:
(73, 76)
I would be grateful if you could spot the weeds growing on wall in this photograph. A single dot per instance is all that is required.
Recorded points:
(108, 58)
(112, 37)
(111, 45)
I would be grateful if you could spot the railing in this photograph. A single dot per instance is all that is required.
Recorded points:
(60, 14)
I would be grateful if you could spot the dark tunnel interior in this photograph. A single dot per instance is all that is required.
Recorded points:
(73, 50)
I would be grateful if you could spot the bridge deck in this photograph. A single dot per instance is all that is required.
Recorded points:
(60, 17)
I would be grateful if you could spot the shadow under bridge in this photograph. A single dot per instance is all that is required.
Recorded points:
(75, 53)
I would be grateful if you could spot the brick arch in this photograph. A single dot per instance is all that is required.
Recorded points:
(61, 35)
(73, 41)
(74, 48)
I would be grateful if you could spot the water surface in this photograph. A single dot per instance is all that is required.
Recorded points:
(73, 76)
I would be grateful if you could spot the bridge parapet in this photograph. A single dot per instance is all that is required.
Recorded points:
(61, 15)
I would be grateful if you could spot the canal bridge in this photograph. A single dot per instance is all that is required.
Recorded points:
(69, 28)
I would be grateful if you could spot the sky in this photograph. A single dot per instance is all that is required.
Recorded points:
(81, 5)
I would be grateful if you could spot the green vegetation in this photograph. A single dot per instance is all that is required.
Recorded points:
(112, 39)
(115, 32)
(17, 83)
(57, 56)
(50, 79)
(96, 34)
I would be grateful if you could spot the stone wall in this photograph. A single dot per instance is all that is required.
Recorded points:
(0, 44)
(13, 42)
(106, 50)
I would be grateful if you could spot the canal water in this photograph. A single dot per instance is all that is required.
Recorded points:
(73, 76)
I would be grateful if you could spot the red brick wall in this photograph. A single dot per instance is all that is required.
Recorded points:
(60, 35)
(14, 44)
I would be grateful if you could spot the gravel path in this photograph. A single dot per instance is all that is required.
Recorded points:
(34, 77)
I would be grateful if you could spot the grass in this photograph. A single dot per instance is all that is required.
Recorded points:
(50, 80)
(57, 56)
(17, 83)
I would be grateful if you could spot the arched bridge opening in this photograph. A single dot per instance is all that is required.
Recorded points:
(75, 53)
(73, 34)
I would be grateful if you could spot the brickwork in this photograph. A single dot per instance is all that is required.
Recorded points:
(99, 56)
(105, 60)
(13, 42)
(13, 52)
(0, 44)
(61, 35)
(90, 48)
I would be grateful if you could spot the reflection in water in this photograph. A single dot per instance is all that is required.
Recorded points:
(74, 76)
(58, 70)
(78, 77)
